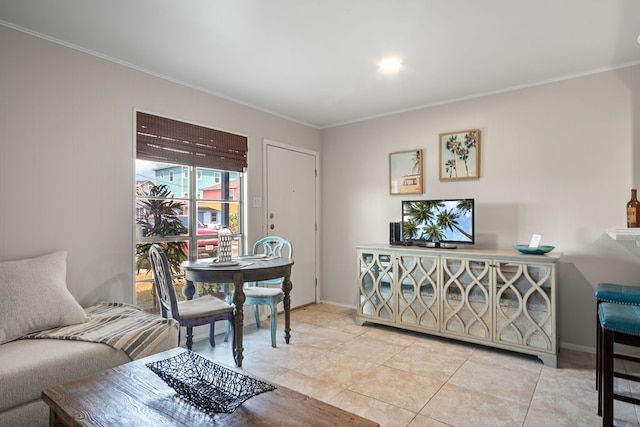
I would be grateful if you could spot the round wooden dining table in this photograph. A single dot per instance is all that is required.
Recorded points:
(240, 271)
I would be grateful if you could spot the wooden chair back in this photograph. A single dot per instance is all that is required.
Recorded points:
(163, 283)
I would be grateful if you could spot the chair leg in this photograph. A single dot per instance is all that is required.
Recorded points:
(232, 328)
(599, 364)
(189, 337)
(227, 323)
(274, 323)
(212, 334)
(256, 313)
(227, 330)
(607, 380)
(598, 338)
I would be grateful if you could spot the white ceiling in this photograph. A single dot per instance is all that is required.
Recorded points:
(314, 61)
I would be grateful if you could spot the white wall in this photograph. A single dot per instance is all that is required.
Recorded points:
(635, 77)
(67, 156)
(556, 160)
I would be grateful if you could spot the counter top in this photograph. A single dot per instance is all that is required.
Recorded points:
(510, 254)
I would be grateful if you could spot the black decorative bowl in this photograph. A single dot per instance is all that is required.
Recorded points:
(207, 385)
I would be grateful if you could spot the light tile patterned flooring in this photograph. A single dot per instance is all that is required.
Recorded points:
(402, 378)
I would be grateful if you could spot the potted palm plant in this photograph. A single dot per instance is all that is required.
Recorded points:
(162, 220)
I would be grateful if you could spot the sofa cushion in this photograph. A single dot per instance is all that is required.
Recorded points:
(35, 296)
(32, 414)
(29, 366)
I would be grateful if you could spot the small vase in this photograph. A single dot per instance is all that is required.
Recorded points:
(225, 238)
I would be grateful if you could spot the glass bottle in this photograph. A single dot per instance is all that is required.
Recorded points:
(633, 210)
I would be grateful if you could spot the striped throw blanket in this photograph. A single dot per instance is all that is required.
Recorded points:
(122, 326)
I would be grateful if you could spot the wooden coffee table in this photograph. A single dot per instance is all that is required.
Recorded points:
(133, 395)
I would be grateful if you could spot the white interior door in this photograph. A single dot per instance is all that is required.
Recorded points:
(291, 196)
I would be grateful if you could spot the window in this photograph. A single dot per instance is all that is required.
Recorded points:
(184, 215)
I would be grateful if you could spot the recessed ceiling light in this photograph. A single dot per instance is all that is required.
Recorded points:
(390, 65)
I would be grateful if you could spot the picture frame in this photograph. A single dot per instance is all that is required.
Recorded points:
(406, 172)
(460, 155)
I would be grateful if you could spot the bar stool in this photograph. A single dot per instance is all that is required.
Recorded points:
(619, 294)
(619, 323)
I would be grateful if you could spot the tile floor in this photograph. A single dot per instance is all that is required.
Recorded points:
(401, 378)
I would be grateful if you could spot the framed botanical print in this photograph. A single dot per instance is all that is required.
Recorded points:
(405, 172)
(460, 155)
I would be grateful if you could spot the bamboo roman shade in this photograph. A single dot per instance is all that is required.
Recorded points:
(160, 139)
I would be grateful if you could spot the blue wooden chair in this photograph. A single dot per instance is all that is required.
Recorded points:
(196, 312)
(267, 292)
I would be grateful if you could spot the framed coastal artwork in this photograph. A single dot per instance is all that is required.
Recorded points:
(460, 155)
(405, 172)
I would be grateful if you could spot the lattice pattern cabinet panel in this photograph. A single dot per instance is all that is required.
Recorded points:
(376, 276)
(466, 302)
(418, 293)
(524, 309)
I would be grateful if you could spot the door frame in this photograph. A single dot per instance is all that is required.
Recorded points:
(266, 142)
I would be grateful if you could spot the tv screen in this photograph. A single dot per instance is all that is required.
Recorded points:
(438, 222)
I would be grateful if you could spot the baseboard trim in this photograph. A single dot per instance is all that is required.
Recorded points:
(575, 347)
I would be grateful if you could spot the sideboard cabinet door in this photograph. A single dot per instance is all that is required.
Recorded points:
(466, 297)
(525, 305)
(418, 304)
(375, 285)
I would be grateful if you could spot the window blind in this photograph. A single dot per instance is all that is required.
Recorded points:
(165, 140)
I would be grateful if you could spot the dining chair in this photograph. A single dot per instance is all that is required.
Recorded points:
(196, 312)
(267, 292)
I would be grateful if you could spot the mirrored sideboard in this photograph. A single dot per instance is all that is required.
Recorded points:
(496, 298)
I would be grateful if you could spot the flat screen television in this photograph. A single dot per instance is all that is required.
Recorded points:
(438, 223)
